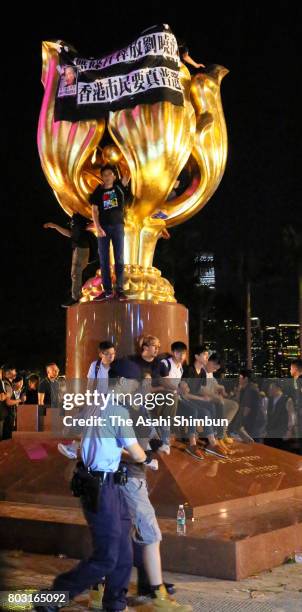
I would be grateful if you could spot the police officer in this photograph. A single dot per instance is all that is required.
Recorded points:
(99, 481)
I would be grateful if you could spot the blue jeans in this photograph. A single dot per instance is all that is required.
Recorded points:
(114, 233)
(112, 550)
(198, 410)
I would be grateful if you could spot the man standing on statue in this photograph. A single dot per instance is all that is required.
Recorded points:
(108, 201)
(81, 240)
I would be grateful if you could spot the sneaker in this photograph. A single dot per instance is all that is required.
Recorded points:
(146, 591)
(164, 448)
(224, 447)
(195, 452)
(105, 295)
(162, 601)
(153, 465)
(95, 601)
(121, 296)
(69, 302)
(215, 449)
(69, 450)
(227, 440)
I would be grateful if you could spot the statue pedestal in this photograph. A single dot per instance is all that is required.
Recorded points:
(121, 323)
(247, 510)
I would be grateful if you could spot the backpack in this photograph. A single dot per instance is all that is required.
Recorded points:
(96, 368)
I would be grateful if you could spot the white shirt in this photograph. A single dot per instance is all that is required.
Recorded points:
(175, 372)
(102, 377)
(211, 383)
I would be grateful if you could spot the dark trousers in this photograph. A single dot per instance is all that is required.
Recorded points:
(80, 259)
(198, 410)
(112, 550)
(9, 423)
(114, 233)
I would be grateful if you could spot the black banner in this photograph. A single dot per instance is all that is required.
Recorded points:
(144, 72)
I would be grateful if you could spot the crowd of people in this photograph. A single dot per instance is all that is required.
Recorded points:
(263, 411)
(25, 388)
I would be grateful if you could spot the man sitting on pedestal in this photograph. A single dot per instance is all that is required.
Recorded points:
(97, 376)
(196, 402)
(171, 371)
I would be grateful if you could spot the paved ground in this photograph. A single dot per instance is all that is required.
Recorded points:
(277, 590)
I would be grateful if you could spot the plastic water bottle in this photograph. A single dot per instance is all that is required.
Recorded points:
(181, 521)
(298, 556)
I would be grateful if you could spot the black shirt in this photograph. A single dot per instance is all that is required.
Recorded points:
(79, 233)
(152, 368)
(51, 388)
(194, 379)
(32, 396)
(110, 203)
(253, 420)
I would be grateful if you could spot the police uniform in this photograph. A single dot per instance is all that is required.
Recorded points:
(109, 522)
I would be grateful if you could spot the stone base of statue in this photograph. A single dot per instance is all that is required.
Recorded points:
(247, 510)
(122, 323)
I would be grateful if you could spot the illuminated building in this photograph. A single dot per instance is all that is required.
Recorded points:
(234, 347)
(273, 346)
(258, 356)
(204, 270)
(271, 342)
(289, 348)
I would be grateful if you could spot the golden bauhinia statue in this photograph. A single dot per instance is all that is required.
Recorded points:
(153, 141)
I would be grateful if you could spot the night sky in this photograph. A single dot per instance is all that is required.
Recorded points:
(260, 193)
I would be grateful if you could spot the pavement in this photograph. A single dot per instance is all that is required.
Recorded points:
(279, 589)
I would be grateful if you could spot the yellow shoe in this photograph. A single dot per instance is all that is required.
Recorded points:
(228, 440)
(223, 446)
(96, 597)
(163, 601)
